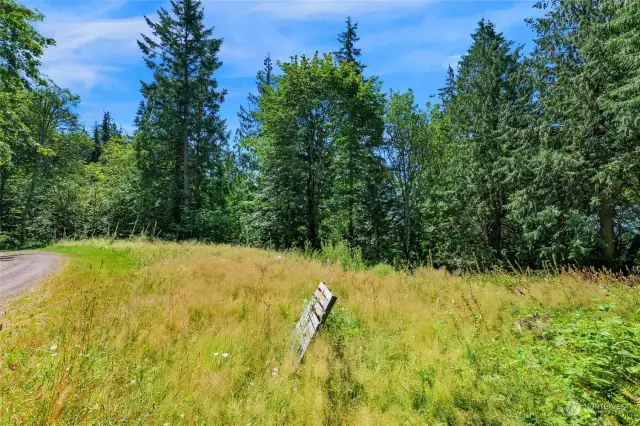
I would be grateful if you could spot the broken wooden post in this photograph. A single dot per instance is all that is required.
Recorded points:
(313, 316)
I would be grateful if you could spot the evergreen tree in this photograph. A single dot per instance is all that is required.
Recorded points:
(109, 128)
(245, 185)
(483, 106)
(623, 41)
(361, 128)
(97, 142)
(249, 125)
(102, 134)
(181, 107)
(622, 34)
(348, 51)
(587, 146)
(448, 92)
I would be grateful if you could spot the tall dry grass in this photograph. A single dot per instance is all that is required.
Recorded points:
(134, 332)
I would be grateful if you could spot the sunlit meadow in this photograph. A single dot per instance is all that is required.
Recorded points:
(162, 333)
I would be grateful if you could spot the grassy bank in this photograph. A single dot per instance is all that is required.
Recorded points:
(135, 332)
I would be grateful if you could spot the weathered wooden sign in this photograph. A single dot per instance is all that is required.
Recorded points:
(313, 316)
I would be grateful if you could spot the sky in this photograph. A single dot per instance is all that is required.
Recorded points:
(406, 43)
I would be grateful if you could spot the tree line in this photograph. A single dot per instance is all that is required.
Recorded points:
(518, 161)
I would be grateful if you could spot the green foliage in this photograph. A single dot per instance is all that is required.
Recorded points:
(181, 137)
(598, 356)
(408, 154)
(21, 47)
(525, 160)
(341, 254)
(348, 51)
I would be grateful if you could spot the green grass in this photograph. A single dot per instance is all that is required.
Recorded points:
(135, 332)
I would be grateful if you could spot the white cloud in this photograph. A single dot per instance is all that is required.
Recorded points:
(248, 36)
(80, 75)
(438, 29)
(91, 47)
(97, 39)
(452, 61)
(435, 42)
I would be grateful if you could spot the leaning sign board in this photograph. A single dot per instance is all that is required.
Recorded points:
(313, 316)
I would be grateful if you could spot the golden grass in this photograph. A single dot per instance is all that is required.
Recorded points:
(134, 332)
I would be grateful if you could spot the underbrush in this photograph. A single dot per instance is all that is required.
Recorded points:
(156, 333)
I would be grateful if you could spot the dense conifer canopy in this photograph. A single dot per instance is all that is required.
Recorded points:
(522, 160)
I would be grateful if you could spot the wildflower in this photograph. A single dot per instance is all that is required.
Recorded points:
(53, 347)
(182, 415)
(133, 382)
(225, 354)
(54, 354)
(274, 372)
(215, 354)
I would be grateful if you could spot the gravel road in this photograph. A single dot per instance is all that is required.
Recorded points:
(18, 271)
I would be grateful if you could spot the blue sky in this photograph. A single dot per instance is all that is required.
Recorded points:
(408, 44)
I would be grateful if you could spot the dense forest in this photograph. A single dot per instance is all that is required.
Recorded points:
(519, 161)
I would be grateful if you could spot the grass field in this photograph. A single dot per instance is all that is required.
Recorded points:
(161, 333)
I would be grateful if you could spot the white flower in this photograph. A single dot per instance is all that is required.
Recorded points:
(182, 415)
(54, 354)
(133, 382)
(215, 354)
(225, 354)
(53, 347)
(274, 372)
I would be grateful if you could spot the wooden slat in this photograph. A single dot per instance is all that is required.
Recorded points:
(313, 316)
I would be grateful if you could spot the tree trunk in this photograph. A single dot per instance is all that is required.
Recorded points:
(632, 254)
(312, 213)
(185, 163)
(176, 192)
(185, 117)
(605, 213)
(29, 204)
(351, 230)
(407, 233)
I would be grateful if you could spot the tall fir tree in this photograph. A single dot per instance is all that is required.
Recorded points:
(448, 92)
(182, 102)
(348, 51)
(102, 134)
(482, 104)
(245, 196)
(360, 136)
(622, 35)
(586, 142)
